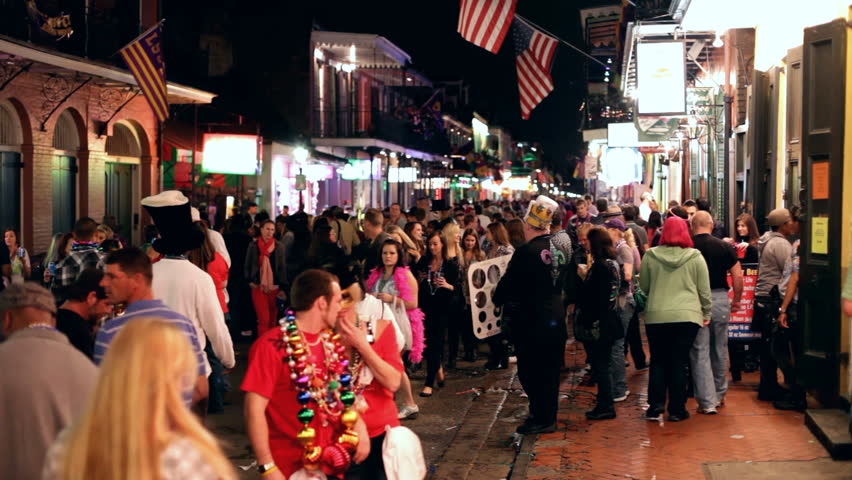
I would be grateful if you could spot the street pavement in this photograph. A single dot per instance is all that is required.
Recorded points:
(467, 432)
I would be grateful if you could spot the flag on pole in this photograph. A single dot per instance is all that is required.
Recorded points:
(486, 22)
(144, 57)
(533, 57)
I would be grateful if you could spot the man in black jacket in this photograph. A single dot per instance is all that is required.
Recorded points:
(531, 293)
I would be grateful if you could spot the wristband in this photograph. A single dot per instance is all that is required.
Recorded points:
(266, 469)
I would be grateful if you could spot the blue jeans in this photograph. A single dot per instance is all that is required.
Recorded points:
(616, 364)
(709, 355)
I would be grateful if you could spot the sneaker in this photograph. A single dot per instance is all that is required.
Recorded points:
(534, 428)
(678, 417)
(600, 414)
(708, 410)
(408, 412)
(621, 398)
(720, 403)
(653, 415)
(790, 404)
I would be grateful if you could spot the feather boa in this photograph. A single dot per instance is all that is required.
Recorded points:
(415, 315)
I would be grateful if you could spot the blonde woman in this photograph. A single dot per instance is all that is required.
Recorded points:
(138, 426)
(452, 237)
(397, 233)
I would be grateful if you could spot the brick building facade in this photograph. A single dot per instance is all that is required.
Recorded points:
(77, 138)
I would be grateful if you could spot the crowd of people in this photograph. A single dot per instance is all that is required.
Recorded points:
(341, 311)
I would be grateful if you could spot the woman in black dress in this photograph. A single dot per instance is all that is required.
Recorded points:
(440, 288)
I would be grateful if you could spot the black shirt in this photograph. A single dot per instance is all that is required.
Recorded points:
(4, 260)
(720, 257)
(77, 329)
(528, 287)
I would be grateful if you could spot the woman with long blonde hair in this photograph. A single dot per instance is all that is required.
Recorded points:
(138, 425)
(452, 237)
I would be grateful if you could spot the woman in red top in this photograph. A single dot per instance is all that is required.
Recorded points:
(208, 259)
(365, 326)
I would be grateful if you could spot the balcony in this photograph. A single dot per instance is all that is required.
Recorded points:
(419, 132)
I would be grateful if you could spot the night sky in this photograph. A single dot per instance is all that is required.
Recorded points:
(271, 40)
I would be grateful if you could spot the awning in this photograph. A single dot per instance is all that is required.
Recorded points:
(374, 142)
(370, 50)
(52, 62)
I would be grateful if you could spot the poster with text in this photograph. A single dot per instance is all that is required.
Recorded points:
(739, 327)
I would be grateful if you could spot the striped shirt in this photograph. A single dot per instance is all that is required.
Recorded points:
(148, 309)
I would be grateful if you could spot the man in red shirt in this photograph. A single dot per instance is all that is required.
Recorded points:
(272, 395)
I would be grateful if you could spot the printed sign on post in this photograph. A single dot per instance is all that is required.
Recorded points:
(819, 235)
(482, 278)
(739, 327)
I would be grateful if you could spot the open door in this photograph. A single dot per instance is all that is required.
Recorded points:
(822, 146)
(793, 178)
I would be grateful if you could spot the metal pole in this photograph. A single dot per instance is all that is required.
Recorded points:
(730, 170)
(194, 153)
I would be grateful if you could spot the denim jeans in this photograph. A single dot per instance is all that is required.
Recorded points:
(616, 363)
(709, 355)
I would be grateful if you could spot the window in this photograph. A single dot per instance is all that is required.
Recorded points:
(10, 169)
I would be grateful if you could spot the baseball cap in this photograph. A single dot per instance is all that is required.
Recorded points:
(778, 217)
(27, 294)
(615, 223)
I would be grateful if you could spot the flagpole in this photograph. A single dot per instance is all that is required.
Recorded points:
(581, 52)
(146, 32)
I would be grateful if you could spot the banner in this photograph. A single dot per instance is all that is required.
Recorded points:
(739, 327)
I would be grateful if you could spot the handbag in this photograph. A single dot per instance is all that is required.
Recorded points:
(402, 454)
(586, 332)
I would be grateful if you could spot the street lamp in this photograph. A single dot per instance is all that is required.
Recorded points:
(300, 154)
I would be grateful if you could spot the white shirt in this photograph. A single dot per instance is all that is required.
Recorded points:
(218, 243)
(377, 309)
(645, 210)
(484, 221)
(189, 290)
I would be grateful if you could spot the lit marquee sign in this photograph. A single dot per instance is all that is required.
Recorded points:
(227, 153)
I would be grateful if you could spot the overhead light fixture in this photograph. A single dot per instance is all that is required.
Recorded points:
(718, 43)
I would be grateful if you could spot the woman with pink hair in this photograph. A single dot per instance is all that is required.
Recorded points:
(675, 277)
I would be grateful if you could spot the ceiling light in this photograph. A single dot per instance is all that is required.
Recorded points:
(718, 43)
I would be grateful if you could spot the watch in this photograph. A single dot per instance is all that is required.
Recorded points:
(266, 467)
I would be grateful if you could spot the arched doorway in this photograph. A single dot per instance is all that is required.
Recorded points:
(10, 168)
(66, 141)
(121, 185)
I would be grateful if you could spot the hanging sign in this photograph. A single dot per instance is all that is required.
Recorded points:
(301, 182)
(661, 78)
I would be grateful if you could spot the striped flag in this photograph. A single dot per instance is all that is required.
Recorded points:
(533, 58)
(486, 22)
(144, 57)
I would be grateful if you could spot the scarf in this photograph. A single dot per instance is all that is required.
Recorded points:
(267, 279)
(415, 315)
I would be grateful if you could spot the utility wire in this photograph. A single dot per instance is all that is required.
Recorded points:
(578, 50)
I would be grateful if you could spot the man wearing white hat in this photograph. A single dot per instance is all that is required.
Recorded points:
(181, 285)
(531, 293)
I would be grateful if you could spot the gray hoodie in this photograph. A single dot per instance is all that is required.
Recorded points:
(774, 250)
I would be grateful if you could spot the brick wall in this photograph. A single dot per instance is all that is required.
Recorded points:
(93, 107)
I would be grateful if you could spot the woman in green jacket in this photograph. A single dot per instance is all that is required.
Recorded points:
(677, 282)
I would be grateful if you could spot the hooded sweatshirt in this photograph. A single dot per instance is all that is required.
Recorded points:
(678, 285)
(774, 250)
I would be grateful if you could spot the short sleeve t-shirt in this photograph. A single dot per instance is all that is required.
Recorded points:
(624, 255)
(382, 408)
(269, 376)
(790, 266)
(720, 256)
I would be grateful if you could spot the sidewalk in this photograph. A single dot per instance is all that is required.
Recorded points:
(744, 430)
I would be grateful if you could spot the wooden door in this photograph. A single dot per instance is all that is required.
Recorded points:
(793, 178)
(823, 109)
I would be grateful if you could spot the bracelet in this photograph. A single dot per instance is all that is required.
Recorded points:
(274, 467)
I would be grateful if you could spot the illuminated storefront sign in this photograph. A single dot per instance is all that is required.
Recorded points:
(226, 153)
(402, 174)
(356, 170)
(621, 166)
(661, 78)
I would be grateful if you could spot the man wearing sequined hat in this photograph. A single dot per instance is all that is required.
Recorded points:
(531, 291)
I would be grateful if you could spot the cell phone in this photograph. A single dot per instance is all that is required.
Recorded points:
(52, 267)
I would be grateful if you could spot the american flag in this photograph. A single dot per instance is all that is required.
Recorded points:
(533, 57)
(486, 22)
